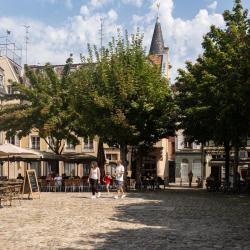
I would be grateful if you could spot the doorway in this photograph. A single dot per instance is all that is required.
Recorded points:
(171, 173)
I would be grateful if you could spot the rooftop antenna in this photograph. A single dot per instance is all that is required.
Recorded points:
(26, 41)
(7, 40)
(9, 48)
(101, 33)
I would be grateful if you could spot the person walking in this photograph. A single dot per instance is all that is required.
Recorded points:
(190, 177)
(94, 179)
(119, 172)
(107, 180)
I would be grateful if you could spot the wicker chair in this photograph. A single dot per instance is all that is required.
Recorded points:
(67, 185)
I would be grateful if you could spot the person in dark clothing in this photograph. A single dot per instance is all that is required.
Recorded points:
(190, 177)
(20, 177)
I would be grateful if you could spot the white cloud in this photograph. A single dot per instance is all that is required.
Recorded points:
(112, 14)
(84, 10)
(136, 19)
(183, 37)
(99, 3)
(213, 5)
(54, 44)
(67, 3)
(137, 3)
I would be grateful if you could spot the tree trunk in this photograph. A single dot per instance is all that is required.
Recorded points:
(236, 163)
(101, 157)
(203, 165)
(227, 160)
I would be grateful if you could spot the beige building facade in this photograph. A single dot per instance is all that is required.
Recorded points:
(79, 157)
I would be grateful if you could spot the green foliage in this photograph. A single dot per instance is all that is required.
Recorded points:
(44, 104)
(213, 93)
(122, 96)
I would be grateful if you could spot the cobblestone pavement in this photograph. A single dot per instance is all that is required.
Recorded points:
(169, 219)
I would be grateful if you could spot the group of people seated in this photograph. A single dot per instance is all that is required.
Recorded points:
(214, 184)
(148, 181)
(151, 181)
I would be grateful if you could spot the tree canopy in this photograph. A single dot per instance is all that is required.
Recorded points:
(43, 104)
(122, 95)
(213, 93)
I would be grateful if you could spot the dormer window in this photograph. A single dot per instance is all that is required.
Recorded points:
(187, 144)
(35, 142)
(88, 143)
(11, 140)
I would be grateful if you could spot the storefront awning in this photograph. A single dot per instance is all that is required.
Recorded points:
(50, 156)
(222, 162)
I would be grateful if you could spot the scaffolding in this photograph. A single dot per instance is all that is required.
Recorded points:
(10, 49)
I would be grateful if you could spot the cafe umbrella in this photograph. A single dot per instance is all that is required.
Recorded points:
(9, 150)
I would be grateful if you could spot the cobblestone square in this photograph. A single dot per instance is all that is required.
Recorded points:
(169, 219)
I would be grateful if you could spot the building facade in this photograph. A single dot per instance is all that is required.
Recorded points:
(188, 157)
(215, 161)
(78, 157)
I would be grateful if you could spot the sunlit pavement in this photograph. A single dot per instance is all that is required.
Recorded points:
(165, 219)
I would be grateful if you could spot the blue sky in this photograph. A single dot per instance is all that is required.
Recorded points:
(59, 27)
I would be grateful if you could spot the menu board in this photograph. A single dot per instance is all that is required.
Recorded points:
(30, 185)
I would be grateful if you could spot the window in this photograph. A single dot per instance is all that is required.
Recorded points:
(36, 165)
(243, 154)
(35, 142)
(112, 157)
(1, 80)
(10, 90)
(88, 143)
(11, 140)
(187, 144)
(86, 169)
(69, 169)
(184, 170)
(196, 168)
(69, 146)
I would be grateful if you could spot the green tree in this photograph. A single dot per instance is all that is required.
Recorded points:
(213, 93)
(123, 97)
(44, 104)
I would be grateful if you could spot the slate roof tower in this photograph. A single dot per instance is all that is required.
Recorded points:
(158, 53)
(157, 43)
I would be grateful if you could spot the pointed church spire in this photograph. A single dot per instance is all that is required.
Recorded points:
(157, 43)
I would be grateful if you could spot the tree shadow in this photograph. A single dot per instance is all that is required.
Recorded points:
(174, 220)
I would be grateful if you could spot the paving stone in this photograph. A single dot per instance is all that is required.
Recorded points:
(170, 219)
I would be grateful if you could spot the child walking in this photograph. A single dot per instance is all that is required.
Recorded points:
(107, 180)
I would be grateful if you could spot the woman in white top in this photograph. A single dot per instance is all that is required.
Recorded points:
(94, 179)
